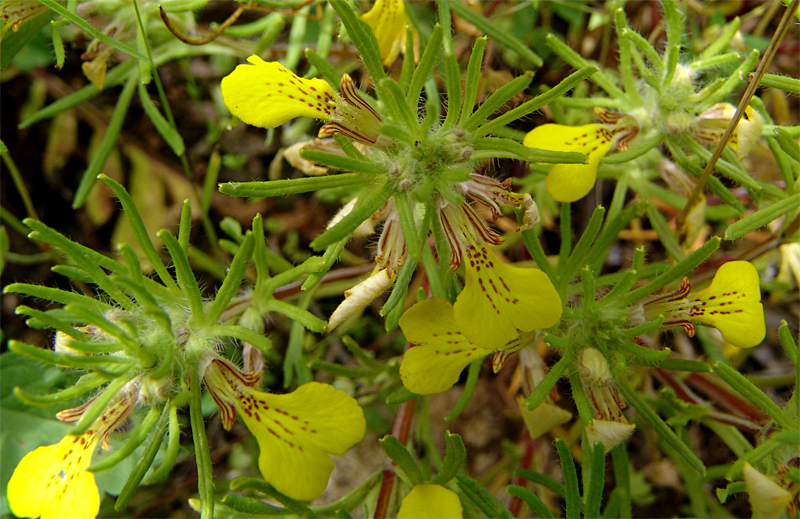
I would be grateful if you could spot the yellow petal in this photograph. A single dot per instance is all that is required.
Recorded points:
(499, 299)
(732, 304)
(430, 502)
(768, 499)
(268, 94)
(441, 351)
(570, 182)
(388, 21)
(296, 432)
(52, 481)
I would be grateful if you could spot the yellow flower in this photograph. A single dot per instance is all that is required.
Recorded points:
(430, 502)
(388, 21)
(570, 182)
(267, 94)
(296, 432)
(732, 304)
(52, 481)
(441, 351)
(499, 299)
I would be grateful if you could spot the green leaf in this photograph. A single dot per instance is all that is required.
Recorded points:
(145, 461)
(573, 497)
(469, 389)
(544, 387)
(536, 504)
(396, 104)
(785, 83)
(110, 140)
(453, 82)
(202, 454)
(362, 37)
(788, 343)
(140, 231)
(597, 472)
(183, 271)
(540, 479)
(293, 186)
(753, 394)
(762, 217)
(170, 134)
(367, 204)
(54, 6)
(488, 504)
(400, 455)
(634, 152)
(537, 102)
(678, 271)
(77, 254)
(659, 426)
(454, 458)
(674, 364)
(233, 280)
(787, 143)
(473, 78)
(400, 396)
(494, 31)
(297, 507)
(495, 101)
(506, 148)
(425, 66)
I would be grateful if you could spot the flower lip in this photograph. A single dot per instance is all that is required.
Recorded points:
(499, 300)
(296, 432)
(429, 501)
(267, 94)
(441, 351)
(571, 182)
(388, 21)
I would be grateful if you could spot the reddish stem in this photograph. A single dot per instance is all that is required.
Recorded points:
(727, 399)
(515, 503)
(400, 430)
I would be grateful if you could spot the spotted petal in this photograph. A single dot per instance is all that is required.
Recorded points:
(430, 502)
(499, 299)
(52, 481)
(296, 432)
(570, 182)
(388, 21)
(440, 352)
(732, 304)
(267, 94)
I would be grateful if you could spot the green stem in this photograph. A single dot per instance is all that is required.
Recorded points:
(205, 475)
